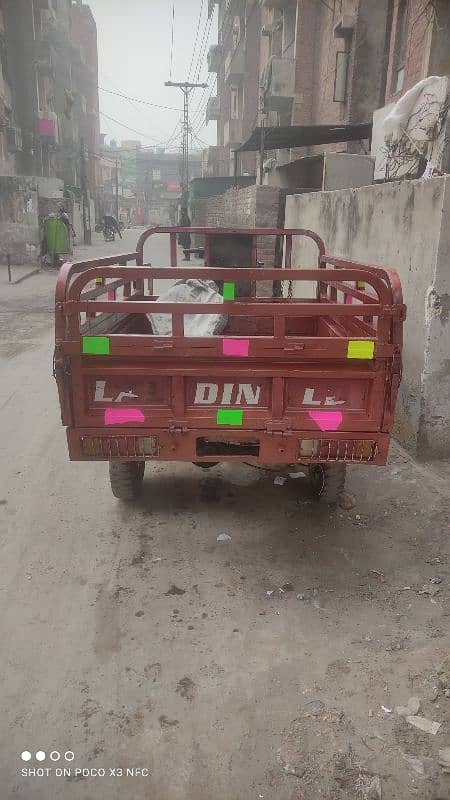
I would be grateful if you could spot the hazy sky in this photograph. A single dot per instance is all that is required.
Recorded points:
(134, 38)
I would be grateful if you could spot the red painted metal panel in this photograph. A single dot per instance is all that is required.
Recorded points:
(179, 445)
(292, 380)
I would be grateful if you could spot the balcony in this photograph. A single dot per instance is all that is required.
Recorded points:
(215, 154)
(5, 92)
(214, 58)
(213, 159)
(45, 58)
(345, 26)
(212, 109)
(235, 66)
(52, 29)
(232, 133)
(280, 4)
(278, 84)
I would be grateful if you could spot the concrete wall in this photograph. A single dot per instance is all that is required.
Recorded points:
(345, 171)
(19, 225)
(328, 171)
(405, 226)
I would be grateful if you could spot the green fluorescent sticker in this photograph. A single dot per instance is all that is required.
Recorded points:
(229, 291)
(228, 416)
(96, 345)
(363, 350)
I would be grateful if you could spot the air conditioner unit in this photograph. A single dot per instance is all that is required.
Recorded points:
(48, 127)
(13, 139)
(27, 141)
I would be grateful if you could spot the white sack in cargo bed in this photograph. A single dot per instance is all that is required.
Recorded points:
(190, 291)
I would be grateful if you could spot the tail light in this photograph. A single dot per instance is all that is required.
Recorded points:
(355, 450)
(112, 447)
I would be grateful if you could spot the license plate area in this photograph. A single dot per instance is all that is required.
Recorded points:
(211, 447)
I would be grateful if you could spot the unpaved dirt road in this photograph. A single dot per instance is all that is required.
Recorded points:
(251, 668)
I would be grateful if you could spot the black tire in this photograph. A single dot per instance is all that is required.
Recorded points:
(126, 478)
(327, 481)
(205, 464)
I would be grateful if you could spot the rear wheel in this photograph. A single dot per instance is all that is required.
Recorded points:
(327, 481)
(126, 478)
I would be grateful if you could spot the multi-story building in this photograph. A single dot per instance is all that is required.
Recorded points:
(417, 44)
(235, 60)
(158, 181)
(141, 184)
(109, 179)
(85, 112)
(9, 134)
(323, 63)
(311, 62)
(49, 49)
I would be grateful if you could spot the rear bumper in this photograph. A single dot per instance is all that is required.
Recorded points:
(132, 444)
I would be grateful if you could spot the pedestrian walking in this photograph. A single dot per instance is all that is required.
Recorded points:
(184, 239)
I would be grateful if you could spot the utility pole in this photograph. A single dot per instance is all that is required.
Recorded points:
(117, 189)
(85, 197)
(186, 88)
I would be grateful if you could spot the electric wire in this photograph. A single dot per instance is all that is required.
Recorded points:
(138, 100)
(196, 39)
(171, 44)
(197, 116)
(157, 143)
(204, 42)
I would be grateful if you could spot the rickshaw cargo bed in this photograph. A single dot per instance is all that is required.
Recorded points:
(291, 379)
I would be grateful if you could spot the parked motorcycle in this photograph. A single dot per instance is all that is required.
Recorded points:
(109, 235)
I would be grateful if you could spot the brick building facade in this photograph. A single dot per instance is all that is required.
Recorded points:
(8, 147)
(418, 44)
(332, 62)
(49, 71)
(235, 60)
(332, 58)
(85, 80)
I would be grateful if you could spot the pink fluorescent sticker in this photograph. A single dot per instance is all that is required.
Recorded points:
(111, 295)
(327, 420)
(119, 416)
(235, 347)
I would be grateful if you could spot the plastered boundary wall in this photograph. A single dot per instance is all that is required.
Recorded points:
(405, 226)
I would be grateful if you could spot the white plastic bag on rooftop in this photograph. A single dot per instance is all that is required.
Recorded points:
(427, 97)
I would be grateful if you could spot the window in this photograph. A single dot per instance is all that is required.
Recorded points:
(236, 32)
(341, 76)
(276, 48)
(156, 174)
(4, 60)
(289, 20)
(235, 105)
(401, 29)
